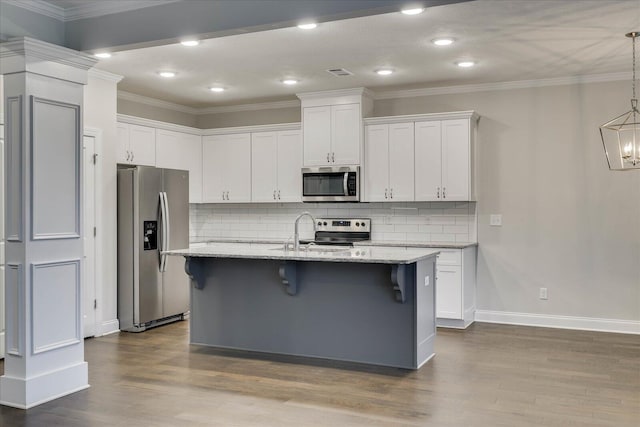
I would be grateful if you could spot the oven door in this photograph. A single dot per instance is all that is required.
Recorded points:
(331, 184)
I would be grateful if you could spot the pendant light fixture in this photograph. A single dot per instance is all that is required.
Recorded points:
(621, 136)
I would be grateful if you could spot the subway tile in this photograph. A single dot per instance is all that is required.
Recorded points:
(443, 237)
(430, 228)
(456, 229)
(407, 228)
(443, 220)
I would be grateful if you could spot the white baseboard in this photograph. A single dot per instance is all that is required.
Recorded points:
(561, 322)
(108, 327)
(2, 345)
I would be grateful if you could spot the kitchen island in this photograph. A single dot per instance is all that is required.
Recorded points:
(370, 305)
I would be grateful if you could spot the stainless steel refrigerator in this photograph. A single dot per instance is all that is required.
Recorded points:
(153, 216)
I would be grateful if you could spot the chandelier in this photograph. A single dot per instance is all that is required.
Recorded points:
(621, 136)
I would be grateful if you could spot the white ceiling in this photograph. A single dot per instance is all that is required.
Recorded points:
(510, 39)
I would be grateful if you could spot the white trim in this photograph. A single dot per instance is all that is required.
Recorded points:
(562, 322)
(140, 121)
(358, 91)
(421, 117)
(39, 6)
(96, 134)
(105, 75)
(29, 49)
(252, 129)
(100, 8)
(520, 84)
(249, 107)
(409, 93)
(108, 327)
(153, 102)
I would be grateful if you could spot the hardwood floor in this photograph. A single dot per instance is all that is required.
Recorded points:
(488, 375)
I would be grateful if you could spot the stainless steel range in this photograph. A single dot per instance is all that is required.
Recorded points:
(341, 231)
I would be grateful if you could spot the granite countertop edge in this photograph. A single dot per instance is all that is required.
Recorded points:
(443, 245)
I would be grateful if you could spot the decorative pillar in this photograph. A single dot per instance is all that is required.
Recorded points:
(43, 93)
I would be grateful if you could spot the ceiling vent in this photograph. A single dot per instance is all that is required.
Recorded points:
(340, 72)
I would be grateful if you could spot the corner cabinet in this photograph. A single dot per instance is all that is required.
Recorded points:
(456, 287)
(226, 166)
(275, 167)
(442, 147)
(136, 145)
(332, 126)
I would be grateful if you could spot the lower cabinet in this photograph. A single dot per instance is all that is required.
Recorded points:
(456, 287)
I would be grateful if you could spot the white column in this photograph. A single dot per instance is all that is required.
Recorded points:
(43, 93)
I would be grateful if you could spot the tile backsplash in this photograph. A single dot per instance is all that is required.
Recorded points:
(429, 222)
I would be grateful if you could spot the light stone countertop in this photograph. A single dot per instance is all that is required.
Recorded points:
(370, 255)
(400, 244)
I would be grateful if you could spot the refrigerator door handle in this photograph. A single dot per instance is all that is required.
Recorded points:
(163, 241)
(167, 239)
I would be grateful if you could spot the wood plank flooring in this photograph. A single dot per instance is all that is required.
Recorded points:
(488, 375)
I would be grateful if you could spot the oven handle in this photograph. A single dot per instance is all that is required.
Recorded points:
(345, 186)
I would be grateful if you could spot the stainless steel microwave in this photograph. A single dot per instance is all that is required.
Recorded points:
(331, 184)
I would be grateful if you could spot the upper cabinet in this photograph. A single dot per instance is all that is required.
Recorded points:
(226, 166)
(177, 150)
(332, 126)
(136, 145)
(275, 167)
(389, 162)
(426, 157)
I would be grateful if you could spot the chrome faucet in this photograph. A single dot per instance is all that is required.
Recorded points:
(296, 237)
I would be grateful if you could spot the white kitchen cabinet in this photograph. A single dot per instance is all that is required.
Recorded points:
(443, 160)
(136, 145)
(177, 150)
(332, 135)
(389, 165)
(456, 287)
(226, 168)
(275, 167)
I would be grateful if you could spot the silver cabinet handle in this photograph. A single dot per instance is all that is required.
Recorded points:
(274, 194)
(278, 194)
(132, 156)
(438, 193)
(327, 157)
(391, 193)
(333, 157)
(444, 194)
(128, 155)
(385, 194)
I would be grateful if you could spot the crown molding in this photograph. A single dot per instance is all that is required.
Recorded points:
(358, 91)
(471, 115)
(407, 93)
(105, 75)
(39, 6)
(249, 107)
(153, 102)
(89, 9)
(520, 84)
(99, 8)
(140, 121)
(255, 128)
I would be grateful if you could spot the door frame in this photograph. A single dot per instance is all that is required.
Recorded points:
(96, 134)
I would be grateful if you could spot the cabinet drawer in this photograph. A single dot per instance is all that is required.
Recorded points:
(450, 257)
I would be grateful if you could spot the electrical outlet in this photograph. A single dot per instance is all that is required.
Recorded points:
(543, 293)
(495, 220)
(426, 280)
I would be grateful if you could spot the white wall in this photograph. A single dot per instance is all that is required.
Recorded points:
(137, 109)
(249, 118)
(100, 113)
(569, 224)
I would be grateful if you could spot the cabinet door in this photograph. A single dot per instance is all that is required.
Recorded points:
(401, 163)
(168, 153)
(346, 124)
(449, 292)
(289, 166)
(428, 161)
(264, 166)
(142, 142)
(214, 163)
(122, 150)
(377, 163)
(316, 123)
(175, 150)
(455, 159)
(237, 171)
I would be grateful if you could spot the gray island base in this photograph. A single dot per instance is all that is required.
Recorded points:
(366, 312)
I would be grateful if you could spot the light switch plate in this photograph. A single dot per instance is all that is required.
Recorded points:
(495, 220)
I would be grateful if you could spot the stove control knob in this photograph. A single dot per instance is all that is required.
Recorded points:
(319, 223)
(324, 223)
(357, 224)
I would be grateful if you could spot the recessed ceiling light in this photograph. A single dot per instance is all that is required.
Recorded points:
(167, 74)
(465, 64)
(384, 71)
(290, 81)
(442, 41)
(308, 26)
(216, 89)
(102, 55)
(190, 43)
(413, 11)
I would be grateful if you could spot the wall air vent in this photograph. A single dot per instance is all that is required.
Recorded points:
(340, 72)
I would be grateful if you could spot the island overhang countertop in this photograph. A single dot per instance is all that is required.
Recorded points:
(369, 254)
